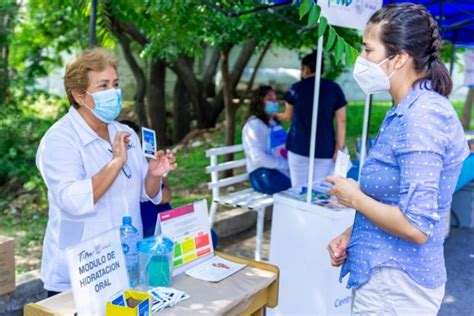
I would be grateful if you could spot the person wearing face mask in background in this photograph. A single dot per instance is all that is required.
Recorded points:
(93, 166)
(298, 111)
(394, 250)
(264, 139)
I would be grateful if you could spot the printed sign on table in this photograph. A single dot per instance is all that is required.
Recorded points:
(97, 271)
(349, 13)
(188, 226)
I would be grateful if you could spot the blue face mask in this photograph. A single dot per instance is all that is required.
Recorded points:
(271, 107)
(108, 104)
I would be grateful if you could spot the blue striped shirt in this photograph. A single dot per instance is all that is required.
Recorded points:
(414, 164)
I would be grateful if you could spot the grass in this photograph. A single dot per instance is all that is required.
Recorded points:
(28, 232)
(25, 217)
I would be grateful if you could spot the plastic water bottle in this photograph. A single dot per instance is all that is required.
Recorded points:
(130, 236)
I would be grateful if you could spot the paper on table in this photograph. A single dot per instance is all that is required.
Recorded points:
(214, 269)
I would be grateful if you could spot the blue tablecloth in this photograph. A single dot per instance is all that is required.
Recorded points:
(467, 172)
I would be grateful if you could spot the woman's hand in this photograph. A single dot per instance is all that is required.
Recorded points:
(119, 147)
(164, 163)
(337, 248)
(347, 191)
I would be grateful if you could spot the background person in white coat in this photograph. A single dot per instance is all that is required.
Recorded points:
(264, 140)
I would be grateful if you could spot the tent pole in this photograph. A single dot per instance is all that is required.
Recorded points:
(92, 24)
(312, 146)
(441, 14)
(451, 64)
(365, 132)
(453, 54)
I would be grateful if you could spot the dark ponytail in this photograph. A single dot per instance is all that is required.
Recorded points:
(410, 28)
(257, 106)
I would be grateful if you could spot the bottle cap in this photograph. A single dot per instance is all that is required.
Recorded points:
(127, 220)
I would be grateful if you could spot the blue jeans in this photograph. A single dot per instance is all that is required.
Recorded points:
(149, 213)
(269, 181)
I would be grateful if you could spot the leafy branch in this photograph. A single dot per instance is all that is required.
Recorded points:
(333, 41)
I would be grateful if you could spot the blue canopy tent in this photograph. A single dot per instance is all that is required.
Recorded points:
(455, 19)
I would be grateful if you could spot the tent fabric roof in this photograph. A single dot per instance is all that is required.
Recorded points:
(455, 18)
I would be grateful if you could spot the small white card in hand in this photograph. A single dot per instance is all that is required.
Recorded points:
(149, 142)
(343, 164)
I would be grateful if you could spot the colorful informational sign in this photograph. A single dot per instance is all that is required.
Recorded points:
(349, 13)
(188, 226)
(97, 271)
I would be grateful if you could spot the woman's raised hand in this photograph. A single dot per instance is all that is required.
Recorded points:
(119, 147)
(165, 162)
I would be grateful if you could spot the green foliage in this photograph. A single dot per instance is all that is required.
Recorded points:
(22, 127)
(331, 39)
(323, 23)
(343, 46)
(314, 15)
(49, 29)
(170, 28)
(305, 7)
(447, 54)
(339, 47)
(350, 54)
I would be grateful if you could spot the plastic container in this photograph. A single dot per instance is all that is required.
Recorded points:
(130, 236)
(156, 255)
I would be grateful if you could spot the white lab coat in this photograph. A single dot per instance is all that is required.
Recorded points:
(256, 142)
(69, 155)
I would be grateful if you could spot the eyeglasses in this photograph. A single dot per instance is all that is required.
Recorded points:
(125, 169)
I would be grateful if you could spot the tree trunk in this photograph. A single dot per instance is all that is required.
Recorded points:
(467, 110)
(4, 78)
(208, 113)
(230, 109)
(156, 101)
(209, 75)
(118, 29)
(8, 10)
(245, 54)
(181, 115)
(249, 88)
(182, 67)
(140, 78)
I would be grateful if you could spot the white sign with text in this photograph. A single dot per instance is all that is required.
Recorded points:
(349, 13)
(97, 271)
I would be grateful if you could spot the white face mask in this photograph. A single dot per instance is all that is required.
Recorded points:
(371, 77)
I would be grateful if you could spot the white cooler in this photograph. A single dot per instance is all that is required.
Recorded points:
(309, 285)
